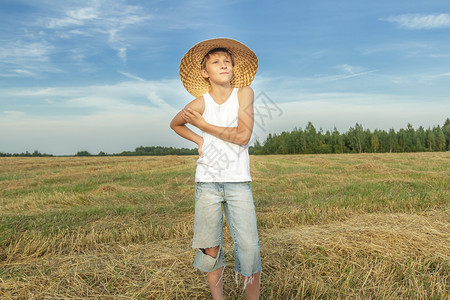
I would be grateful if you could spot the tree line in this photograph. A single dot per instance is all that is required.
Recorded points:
(139, 151)
(25, 154)
(356, 140)
(147, 151)
(313, 141)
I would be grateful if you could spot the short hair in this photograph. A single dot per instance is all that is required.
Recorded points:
(213, 51)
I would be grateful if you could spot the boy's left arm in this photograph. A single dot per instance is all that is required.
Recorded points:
(238, 135)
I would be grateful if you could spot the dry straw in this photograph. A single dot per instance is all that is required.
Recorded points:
(245, 65)
(335, 241)
(369, 256)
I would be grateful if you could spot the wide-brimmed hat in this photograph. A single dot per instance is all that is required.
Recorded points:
(245, 65)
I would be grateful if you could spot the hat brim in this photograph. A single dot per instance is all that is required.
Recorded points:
(245, 65)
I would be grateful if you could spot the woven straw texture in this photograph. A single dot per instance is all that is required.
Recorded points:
(245, 65)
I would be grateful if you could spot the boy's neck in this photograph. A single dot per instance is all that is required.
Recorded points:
(220, 94)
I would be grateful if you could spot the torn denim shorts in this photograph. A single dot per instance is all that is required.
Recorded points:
(237, 201)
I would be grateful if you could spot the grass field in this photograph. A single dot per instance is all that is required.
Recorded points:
(363, 226)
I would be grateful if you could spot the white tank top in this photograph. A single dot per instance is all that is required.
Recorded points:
(222, 161)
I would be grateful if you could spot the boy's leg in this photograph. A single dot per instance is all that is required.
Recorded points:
(252, 288)
(215, 278)
(208, 235)
(241, 217)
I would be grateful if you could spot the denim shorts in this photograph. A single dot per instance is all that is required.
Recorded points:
(237, 201)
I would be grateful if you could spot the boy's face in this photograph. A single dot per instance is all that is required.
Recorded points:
(218, 68)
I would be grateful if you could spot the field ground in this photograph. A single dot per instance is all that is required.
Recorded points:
(359, 226)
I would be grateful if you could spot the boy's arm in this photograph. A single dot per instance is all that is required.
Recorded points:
(239, 135)
(178, 124)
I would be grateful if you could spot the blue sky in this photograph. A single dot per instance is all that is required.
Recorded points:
(103, 75)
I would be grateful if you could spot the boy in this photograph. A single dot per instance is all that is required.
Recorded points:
(218, 73)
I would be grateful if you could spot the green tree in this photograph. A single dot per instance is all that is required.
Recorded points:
(283, 144)
(402, 140)
(440, 139)
(420, 139)
(257, 148)
(312, 141)
(383, 138)
(410, 139)
(356, 138)
(269, 145)
(375, 142)
(83, 153)
(300, 141)
(446, 130)
(393, 143)
(337, 141)
(430, 140)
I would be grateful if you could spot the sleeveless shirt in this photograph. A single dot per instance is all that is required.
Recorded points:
(222, 161)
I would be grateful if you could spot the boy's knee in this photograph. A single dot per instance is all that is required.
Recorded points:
(209, 259)
(213, 251)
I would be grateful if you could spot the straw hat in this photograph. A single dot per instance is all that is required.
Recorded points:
(245, 65)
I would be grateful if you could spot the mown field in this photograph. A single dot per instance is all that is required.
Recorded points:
(362, 226)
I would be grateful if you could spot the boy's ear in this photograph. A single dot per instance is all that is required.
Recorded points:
(205, 74)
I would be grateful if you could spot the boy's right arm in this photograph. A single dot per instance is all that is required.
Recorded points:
(178, 124)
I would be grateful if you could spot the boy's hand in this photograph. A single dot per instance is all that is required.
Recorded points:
(200, 148)
(193, 117)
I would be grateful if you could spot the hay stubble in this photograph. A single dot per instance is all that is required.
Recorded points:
(331, 226)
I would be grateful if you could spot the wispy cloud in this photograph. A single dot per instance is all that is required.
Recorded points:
(350, 71)
(13, 114)
(131, 76)
(431, 79)
(26, 59)
(66, 36)
(99, 19)
(137, 96)
(23, 50)
(119, 117)
(75, 17)
(420, 21)
(406, 48)
(98, 23)
(18, 73)
(111, 118)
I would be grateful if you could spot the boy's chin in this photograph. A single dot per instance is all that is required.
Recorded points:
(221, 82)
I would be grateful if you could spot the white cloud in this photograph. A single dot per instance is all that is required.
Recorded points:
(61, 36)
(134, 77)
(406, 48)
(432, 78)
(58, 23)
(110, 118)
(19, 73)
(444, 75)
(349, 72)
(349, 69)
(114, 118)
(121, 52)
(373, 109)
(26, 59)
(128, 96)
(21, 49)
(84, 13)
(100, 18)
(25, 73)
(13, 114)
(420, 21)
(344, 111)
(72, 17)
(112, 132)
